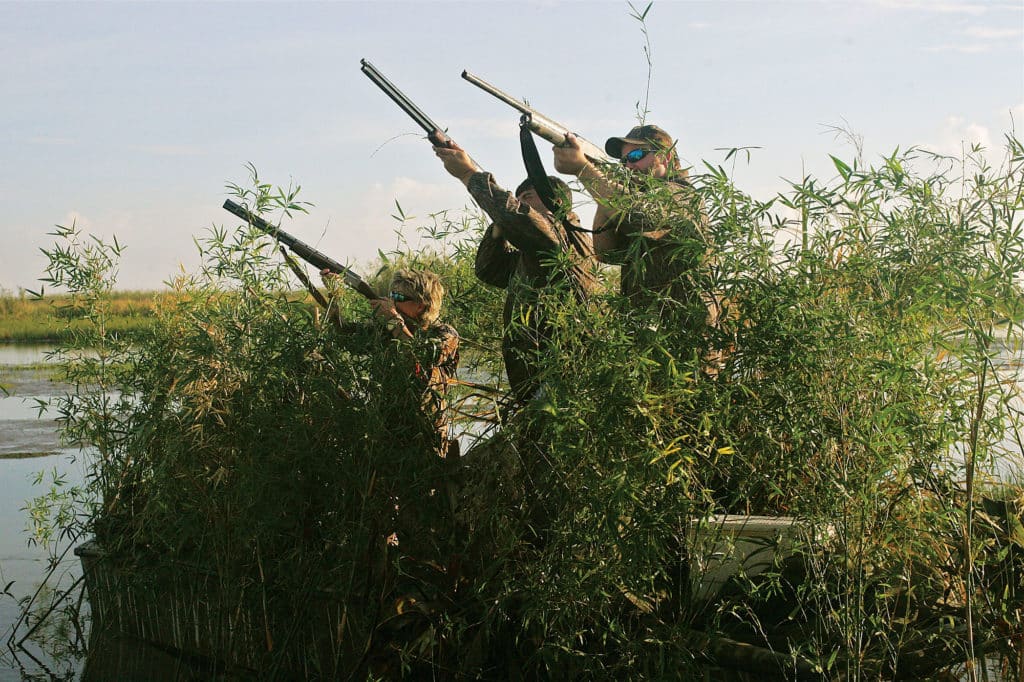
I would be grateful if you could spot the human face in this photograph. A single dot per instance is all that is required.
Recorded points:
(653, 164)
(532, 199)
(409, 307)
(412, 309)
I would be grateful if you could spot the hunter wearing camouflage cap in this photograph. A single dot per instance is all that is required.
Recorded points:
(649, 220)
(642, 215)
(640, 136)
(519, 252)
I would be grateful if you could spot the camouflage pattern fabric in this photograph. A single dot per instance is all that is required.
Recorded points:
(520, 260)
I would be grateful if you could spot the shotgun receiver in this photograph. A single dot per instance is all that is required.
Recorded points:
(302, 249)
(550, 130)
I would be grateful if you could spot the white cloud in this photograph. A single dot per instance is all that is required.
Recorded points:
(989, 33)
(409, 187)
(359, 239)
(957, 134)
(75, 218)
(699, 25)
(975, 48)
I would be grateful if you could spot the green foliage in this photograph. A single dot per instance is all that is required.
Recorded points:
(852, 384)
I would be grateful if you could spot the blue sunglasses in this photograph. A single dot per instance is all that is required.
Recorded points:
(400, 298)
(636, 155)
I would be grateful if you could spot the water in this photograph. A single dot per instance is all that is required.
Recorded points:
(1009, 367)
(20, 354)
(28, 445)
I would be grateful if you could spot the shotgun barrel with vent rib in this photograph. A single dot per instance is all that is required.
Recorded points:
(434, 132)
(303, 250)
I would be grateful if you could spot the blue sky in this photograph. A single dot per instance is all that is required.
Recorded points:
(130, 117)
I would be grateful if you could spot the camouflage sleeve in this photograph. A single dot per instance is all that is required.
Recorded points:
(495, 260)
(523, 227)
(437, 357)
(447, 351)
(444, 349)
(609, 245)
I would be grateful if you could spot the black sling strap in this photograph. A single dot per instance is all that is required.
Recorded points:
(535, 169)
(539, 179)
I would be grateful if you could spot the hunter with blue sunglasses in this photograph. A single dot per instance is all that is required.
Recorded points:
(651, 222)
(627, 213)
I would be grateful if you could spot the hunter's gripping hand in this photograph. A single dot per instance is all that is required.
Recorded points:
(456, 161)
(569, 157)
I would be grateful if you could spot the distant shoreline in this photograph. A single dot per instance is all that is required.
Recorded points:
(52, 319)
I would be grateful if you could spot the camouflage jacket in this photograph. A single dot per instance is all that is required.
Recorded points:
(658, 236)
(523, 261)
(430, 359)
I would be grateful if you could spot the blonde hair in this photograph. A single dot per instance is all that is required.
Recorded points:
(423, 286)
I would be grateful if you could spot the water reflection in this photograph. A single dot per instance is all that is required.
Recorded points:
(20, 354)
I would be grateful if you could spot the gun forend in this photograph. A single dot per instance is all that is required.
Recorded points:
(303, 250)
(549, 129)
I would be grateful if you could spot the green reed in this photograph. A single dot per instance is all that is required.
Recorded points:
(246, 435)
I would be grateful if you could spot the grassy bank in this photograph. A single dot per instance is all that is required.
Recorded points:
(24, 318)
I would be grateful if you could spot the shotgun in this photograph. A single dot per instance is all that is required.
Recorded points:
(303, 250)
(550, 130)
(434, 133)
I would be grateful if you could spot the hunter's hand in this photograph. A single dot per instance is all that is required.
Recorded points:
(384, 310)
(569, 158)
(456, 161)
(330, 279)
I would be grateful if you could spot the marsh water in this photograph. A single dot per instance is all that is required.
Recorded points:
(31, 455)
(30, 451)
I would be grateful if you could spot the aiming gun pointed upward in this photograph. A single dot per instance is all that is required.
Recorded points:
(303, 250)
(436, 136)
(550, 130)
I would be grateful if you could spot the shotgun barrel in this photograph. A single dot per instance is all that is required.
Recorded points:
(434, 132)
(303, 250)
(551, 130)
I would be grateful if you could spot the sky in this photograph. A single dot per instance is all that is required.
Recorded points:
(129, 119)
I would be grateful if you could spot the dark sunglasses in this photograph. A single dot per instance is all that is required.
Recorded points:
(400, 298)
(636, 155)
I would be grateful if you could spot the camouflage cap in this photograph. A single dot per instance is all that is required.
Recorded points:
(642, 135)
(562, 191)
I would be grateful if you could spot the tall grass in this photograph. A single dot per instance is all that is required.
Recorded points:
(245, 435)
